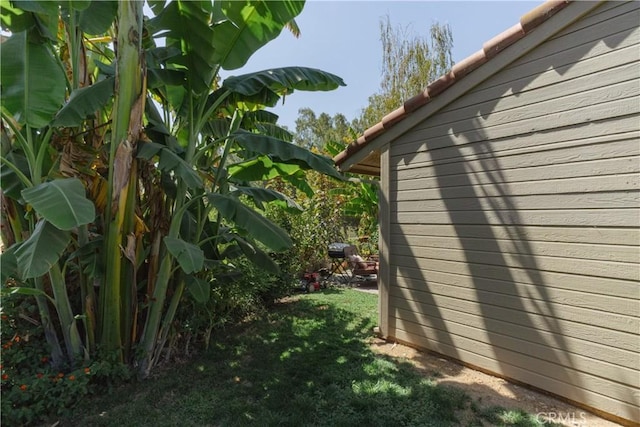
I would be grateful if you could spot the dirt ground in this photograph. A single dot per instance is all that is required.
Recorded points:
(490, 390)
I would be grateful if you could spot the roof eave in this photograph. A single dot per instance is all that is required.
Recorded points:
(495, 54)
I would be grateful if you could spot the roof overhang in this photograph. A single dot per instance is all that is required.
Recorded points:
(363, 155)
(369, 165)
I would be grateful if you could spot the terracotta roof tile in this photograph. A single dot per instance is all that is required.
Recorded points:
(506, 38)
(440, 84)
(415, 102)
(469, 64)
(373, 131)
(491, 48)
(535, 17)
(351, 149)
(393, 117)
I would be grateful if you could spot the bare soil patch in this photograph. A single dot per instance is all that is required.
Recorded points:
(490, 391)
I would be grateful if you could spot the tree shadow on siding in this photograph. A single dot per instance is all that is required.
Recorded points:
(535, 341)
(415, 304)
(512, 353)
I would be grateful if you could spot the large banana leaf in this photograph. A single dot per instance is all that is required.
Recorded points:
(261, 116)
(38, 15)
(8, 264)
(62, 202)
(76, 4)
(98, 17)
(259, 196)
(42, 250)
(299, 181)
(14, 19)
(157, 74)
(84, 102)
(265, 88)
(256, 225)
(37, 6)
(249, 26)
(157, 131)
(11, 184)
(235, 100)
(254, 91)
(89, 257)
(199, 289)
(265, 122)
(257, 256)
(185, 24)
(285, 152)
(274, 131)
(261, 168)
(217, 128)
(170, 161)
(159, 77)
(189, 256)
(156, 5)
(283, 81)
(189, 228)
(33, 83)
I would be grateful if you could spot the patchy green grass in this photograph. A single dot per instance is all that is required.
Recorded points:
(306, 362)
(500, 416)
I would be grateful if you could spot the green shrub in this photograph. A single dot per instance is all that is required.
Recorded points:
(319, 224)
(236, 293)
(32, 389)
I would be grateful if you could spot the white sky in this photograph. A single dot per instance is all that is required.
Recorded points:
(343, 37)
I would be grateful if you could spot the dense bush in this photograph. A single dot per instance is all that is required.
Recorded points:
(320, 223)
(33, 389)
(237, 292)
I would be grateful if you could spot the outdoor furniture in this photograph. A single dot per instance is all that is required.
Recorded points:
(338, 259)
(362, 270)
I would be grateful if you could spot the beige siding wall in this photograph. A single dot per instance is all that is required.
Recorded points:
(514, 214)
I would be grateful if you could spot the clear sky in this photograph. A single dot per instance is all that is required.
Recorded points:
(343, 38)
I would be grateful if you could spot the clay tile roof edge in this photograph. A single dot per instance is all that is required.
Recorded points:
(508, 37)
(393, 117)
(440, 84)
(373, 131)
(538, 15)
(415, 102)
(468, 64)
(528, 22)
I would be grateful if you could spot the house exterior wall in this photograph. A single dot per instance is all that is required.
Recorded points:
(512, 219)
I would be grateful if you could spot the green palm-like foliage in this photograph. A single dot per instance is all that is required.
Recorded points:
(138, 162)
(33, 83)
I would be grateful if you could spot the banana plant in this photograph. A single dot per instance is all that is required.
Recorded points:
(215, 129)
(35, 85)
(171, 159)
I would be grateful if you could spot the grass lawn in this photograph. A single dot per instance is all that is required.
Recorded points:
(305, 362)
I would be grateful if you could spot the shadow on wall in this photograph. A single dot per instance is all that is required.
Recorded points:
(437, 334)
(487, 208)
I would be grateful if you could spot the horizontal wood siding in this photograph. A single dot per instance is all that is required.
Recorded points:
(514, 219)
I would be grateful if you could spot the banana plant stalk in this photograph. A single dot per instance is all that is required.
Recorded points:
(70, 333)
(57, 356)
(127, 126)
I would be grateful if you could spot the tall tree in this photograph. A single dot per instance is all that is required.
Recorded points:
(314, 131)
(409, 63)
